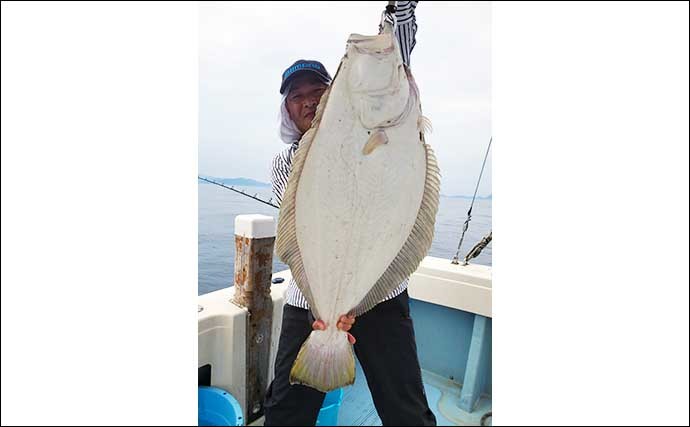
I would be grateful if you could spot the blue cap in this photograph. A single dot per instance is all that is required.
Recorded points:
(304, 66)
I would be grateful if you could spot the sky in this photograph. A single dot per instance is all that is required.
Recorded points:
(244, 47)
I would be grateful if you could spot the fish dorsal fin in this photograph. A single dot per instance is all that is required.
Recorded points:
(287, 248)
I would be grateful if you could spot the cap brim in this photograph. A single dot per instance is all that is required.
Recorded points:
(303, 72)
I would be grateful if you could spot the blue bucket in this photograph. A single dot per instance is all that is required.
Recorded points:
(328, 415)
(217, 407)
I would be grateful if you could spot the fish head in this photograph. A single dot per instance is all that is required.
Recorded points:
(377, 81)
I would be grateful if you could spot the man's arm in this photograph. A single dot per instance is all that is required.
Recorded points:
(280, 172)
(407, 27)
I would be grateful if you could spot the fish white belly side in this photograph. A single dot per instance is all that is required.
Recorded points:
(354, 211)
(359, 209)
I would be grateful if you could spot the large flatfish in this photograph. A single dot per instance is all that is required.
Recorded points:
(358, 213)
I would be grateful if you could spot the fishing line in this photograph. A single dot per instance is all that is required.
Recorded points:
(258, 199)
(469, 212)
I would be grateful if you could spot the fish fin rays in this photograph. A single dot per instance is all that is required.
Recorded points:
(324, 367)
(417, 244)
(424, 125)
(286, 245)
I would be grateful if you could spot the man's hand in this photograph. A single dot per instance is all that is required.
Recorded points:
(344, 324)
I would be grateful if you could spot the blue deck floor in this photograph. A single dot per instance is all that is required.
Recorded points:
(358, 408)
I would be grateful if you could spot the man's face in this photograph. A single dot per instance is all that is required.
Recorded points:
(302, 100)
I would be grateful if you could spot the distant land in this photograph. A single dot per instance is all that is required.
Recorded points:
(467, 197)
(244, 182)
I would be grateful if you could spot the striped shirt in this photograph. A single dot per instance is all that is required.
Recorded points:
(282, 162)
(407, 27)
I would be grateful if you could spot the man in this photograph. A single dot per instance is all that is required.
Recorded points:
(383, 338)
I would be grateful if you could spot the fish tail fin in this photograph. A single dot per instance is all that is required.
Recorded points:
(324, 362)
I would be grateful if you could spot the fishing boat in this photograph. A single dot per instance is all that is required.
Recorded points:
(450, 304)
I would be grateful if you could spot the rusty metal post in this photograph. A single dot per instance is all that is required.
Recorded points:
(254, 240)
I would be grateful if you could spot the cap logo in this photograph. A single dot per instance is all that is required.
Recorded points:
(297, 67)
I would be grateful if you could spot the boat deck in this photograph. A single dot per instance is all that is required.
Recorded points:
(358, 407)
(451, 307)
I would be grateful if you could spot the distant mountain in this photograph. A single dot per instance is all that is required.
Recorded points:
(241, 182)
(468, 197)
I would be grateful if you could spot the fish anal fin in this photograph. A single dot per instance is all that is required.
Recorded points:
(417, 244)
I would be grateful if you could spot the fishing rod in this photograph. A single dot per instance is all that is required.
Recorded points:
(477, 249)
(258, 199)
(469, 212)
